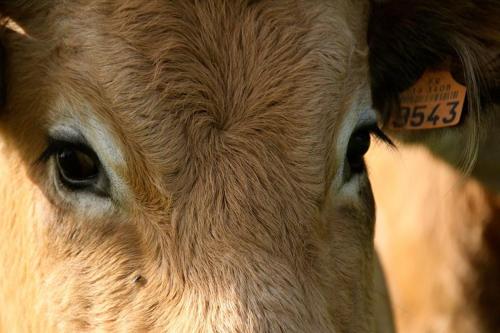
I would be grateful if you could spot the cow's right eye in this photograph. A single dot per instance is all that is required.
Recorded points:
(78, 168)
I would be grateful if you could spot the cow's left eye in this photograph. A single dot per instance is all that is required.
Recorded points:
(358, 146)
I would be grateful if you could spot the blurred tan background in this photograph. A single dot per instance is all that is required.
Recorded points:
(438, 234)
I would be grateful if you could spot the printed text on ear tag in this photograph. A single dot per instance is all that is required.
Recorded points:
(436, 100)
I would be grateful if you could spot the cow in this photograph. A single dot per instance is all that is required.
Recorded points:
(197, 165)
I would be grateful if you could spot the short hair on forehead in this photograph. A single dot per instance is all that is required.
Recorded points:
(218, 57)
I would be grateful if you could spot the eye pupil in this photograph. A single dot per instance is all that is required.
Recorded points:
(76, 166)
(357, 148)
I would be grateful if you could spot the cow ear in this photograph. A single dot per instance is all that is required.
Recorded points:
(19, 17)
(408, 37)
(3, 92)
(20, 10)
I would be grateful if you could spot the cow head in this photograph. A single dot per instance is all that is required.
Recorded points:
(187, 166)
(191, 166)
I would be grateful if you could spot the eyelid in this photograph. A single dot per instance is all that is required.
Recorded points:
(368, 122)
(373, 129)
(54, 144)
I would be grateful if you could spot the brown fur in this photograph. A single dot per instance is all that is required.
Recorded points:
(227, 113)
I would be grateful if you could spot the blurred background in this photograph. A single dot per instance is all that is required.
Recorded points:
(438, 236)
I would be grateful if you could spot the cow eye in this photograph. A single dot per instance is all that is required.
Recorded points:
(77, 167)
(359, 143)
(358, 146)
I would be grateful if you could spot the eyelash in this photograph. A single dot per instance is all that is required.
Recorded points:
(54, 145)
(381, 136)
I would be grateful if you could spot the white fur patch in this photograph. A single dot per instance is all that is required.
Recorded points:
(360, 115)
(72, 120)
(12, 25)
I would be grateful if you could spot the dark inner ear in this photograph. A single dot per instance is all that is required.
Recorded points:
(19, 11)
(26, 13)
(407, 37)
(2, 75)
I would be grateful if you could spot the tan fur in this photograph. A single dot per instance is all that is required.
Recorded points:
(227, 114)
(438, 234)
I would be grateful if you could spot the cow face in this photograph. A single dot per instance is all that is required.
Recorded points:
(186, 166)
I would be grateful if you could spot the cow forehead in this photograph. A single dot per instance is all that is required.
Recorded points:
(218, 50)
(162, 55)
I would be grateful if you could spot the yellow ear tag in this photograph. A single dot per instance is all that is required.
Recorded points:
(436, 100)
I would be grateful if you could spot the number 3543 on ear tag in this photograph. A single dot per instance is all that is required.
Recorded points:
(436, 100)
